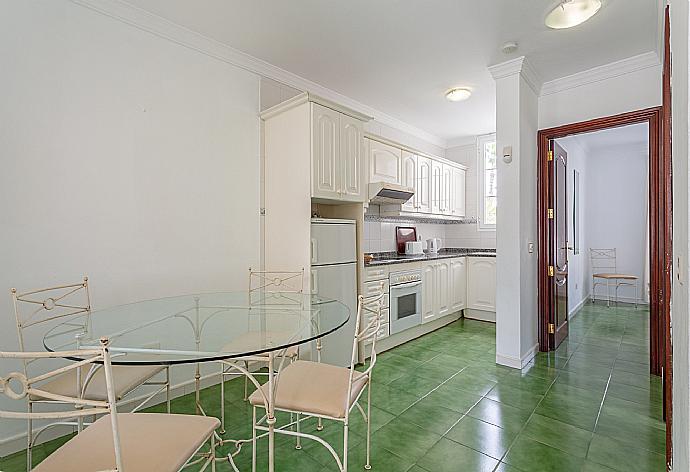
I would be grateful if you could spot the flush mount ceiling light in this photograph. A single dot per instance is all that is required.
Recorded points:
(458, 94)
(571, 13)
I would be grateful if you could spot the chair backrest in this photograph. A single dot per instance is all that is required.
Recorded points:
(266, 286)
(603, 260)
(17, 386)
(364, 332)
(35, 307)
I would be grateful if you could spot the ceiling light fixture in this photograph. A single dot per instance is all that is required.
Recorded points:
(458, 94)
(571, 13)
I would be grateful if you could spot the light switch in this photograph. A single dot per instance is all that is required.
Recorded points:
(530, 247)
(507, 154)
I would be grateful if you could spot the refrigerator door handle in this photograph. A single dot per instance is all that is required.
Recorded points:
(314, 282)
(314, 254)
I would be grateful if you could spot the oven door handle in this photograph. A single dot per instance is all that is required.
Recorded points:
(407, 285)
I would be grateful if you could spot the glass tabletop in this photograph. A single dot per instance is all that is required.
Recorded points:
(201, 327)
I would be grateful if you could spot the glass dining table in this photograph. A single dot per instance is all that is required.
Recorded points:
(231, 328)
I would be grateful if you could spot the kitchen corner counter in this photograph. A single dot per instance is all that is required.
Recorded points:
(388, 258)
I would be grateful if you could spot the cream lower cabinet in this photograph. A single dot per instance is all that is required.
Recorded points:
(458, 284)
(435, 289)
(481, 283)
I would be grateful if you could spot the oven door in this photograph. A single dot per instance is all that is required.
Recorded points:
(405, 306)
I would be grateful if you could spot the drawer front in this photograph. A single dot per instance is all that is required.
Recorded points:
(375, 288)
(369, 302)
(375, 273)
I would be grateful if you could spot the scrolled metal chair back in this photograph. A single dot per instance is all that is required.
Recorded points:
(364, 334)
(603, 259)
(275, 287)
(31, 386)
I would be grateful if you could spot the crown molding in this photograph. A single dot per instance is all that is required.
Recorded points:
(156, 25)
(519, 65)
(597, 74)
(462, 141)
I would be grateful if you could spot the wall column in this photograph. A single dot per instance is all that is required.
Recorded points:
(517, 89)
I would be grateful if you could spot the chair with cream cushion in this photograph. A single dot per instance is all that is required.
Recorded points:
(605, 272)
(313, 389)
(119, 442)
(265, 288)
(72, 304)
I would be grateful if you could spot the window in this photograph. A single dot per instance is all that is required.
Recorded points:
(487, 182)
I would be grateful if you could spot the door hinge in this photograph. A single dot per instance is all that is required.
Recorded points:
(550, 271)
(549, 213)
(552, 328)
(549, 156)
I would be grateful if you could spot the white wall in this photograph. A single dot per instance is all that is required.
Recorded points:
(628, 92)
(681, 250)
(578, 264)
(468, 235)
(126, 157)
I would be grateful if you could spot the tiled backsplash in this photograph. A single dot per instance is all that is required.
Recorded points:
(380, 236)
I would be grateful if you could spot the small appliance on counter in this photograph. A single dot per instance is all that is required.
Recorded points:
(414, 248)
(403, 235)
(433, 245)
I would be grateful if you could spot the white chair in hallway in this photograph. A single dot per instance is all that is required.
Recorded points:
(72, 303)
(324, 391)
(605, 272)
(119, 442)
(266, 287)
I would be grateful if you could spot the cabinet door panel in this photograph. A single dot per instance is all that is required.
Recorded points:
(385, 163)
(481, 283)
(409, 179)
(443, 279)
(351, 159)
(458, 204)
(325, 151)
(428, 293)
(436, 186)
(458, 287)
(423, 190)
(447, 194)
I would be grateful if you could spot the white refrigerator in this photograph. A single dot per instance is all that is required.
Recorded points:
(334, 276)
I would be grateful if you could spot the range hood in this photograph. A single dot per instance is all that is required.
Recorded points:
(387, 193)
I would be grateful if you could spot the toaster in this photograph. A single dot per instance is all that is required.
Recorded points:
(413, 248)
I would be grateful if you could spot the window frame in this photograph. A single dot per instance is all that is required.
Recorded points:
(481, 142)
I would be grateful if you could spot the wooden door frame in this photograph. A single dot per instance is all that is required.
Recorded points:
(660, 233)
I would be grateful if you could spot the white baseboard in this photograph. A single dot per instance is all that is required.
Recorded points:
(515, 362)
(480, 315)
(577, 307)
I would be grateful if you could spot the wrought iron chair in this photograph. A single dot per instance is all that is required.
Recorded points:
(605, 271)
(265, 288)
(71, 304)
(116, 441)
(323, 391)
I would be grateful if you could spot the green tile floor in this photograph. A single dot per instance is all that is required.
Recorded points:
(440, 403)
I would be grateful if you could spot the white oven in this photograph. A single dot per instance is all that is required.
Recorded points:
(405, 300)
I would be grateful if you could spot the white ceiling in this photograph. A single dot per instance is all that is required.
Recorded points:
(399, 56)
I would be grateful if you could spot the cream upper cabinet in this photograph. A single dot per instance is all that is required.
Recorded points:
(337, 155)
(446, 189)
(458, 284)
(436, 187)
(385, 163)
(352, 159)
(481, 283)
(423, 188)
(409, 179)
(457, 204)
(326, 147)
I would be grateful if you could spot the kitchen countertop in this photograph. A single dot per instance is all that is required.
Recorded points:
(386, 258)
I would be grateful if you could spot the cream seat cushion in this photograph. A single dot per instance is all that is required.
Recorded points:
(314, 388)
(125, 377)
(615, 276)
(149, 441)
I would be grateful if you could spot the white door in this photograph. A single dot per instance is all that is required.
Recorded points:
(481, 283)
(325, 150)
(436, 186)
(351, 159)
(385, 163)
(428, 293)
(333, 243)
(409, 179)
(446, 189)
(458, 203)
(423, 190)
(458, 284)
(443, 286)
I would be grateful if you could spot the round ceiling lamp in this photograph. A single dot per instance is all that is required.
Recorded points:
(458, 94)
(571, 13)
